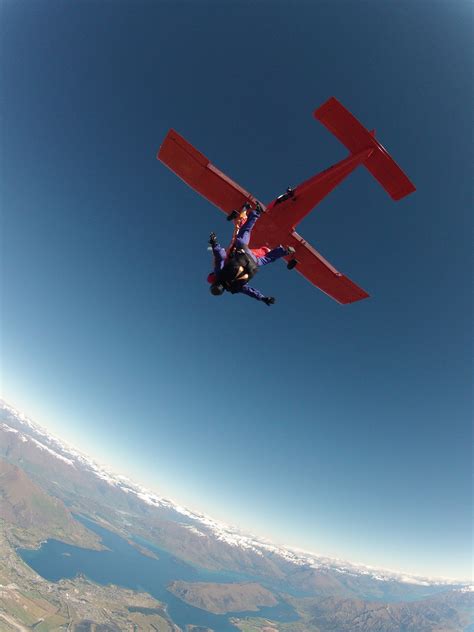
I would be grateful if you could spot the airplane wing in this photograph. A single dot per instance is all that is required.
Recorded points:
(322, 274)
(197, 171)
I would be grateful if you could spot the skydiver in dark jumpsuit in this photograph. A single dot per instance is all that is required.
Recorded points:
(232, 272)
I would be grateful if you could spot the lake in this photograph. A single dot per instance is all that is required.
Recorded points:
(123, 565)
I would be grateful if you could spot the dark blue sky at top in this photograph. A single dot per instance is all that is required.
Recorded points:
(340, 429)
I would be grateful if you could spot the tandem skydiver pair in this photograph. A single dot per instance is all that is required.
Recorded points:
(233, 268)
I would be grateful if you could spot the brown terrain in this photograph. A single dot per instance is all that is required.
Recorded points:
(39, 493)
(28, 516)
(354, 615)
(35, 514)
(223, 598)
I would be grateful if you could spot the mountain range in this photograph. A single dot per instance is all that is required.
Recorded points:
(45, 483)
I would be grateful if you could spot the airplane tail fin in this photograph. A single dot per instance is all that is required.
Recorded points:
(340, 122)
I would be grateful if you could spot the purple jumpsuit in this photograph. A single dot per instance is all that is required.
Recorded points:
(241, 241)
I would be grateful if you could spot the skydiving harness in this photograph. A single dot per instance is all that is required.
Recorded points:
(238, 269)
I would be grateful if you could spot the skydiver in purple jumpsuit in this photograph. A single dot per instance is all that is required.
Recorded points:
(232, 272)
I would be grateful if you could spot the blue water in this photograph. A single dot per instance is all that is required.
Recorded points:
(125, 566)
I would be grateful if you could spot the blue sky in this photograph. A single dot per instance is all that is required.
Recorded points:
(342, 430)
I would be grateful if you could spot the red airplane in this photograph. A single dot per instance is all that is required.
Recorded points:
(277, 224)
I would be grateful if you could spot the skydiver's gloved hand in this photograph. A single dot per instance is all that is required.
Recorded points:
(213, 239)
(258, 207)
(247, 206)
(268, 300)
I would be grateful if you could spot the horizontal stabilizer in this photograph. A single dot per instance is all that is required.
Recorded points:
(340, 122)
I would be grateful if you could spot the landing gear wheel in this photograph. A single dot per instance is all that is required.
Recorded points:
(292, 263)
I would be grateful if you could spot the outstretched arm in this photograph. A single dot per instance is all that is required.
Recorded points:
(219, 257)
(218, 252)
(253, 293)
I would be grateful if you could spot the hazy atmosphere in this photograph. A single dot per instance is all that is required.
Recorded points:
(341, 430)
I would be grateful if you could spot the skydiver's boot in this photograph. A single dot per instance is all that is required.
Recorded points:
(292, 263)
(259, 208)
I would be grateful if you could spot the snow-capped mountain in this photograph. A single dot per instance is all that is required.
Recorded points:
(95, 491)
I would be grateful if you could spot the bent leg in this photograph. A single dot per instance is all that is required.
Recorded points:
(243, 236)
(271, 256)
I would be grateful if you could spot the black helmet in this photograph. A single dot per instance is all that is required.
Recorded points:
(217, 289)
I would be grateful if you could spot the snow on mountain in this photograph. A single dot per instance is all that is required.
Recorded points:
(16, 422)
